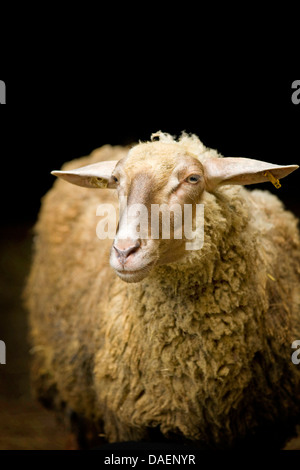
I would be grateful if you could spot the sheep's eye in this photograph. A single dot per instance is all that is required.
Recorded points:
(115, 179)
(193, 179)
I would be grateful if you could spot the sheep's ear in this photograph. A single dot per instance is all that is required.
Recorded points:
(220, 171)
(97, 175)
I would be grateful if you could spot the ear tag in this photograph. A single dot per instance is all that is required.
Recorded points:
(98, 182)
(272, 178)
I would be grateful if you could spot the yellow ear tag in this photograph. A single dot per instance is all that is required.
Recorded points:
(272, 178)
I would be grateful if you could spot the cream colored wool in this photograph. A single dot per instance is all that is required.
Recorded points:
(200, 349)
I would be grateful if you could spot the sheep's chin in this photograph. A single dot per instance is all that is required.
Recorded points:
(135, 276)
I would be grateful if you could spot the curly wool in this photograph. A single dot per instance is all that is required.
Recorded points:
(199, 349)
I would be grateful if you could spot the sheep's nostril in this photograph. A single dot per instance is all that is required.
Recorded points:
(124, 251)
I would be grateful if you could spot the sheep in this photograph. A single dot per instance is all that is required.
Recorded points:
(164, 342)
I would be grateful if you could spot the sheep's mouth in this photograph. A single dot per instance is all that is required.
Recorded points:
(136, 275)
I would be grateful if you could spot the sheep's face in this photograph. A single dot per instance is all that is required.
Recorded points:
(155, 185)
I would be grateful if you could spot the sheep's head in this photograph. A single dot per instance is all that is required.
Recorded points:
(156, 182)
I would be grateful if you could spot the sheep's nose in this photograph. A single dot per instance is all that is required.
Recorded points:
(126, 247)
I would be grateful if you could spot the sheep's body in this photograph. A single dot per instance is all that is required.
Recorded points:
(201, 348)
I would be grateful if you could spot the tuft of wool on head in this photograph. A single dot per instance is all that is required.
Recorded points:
(188, 142)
